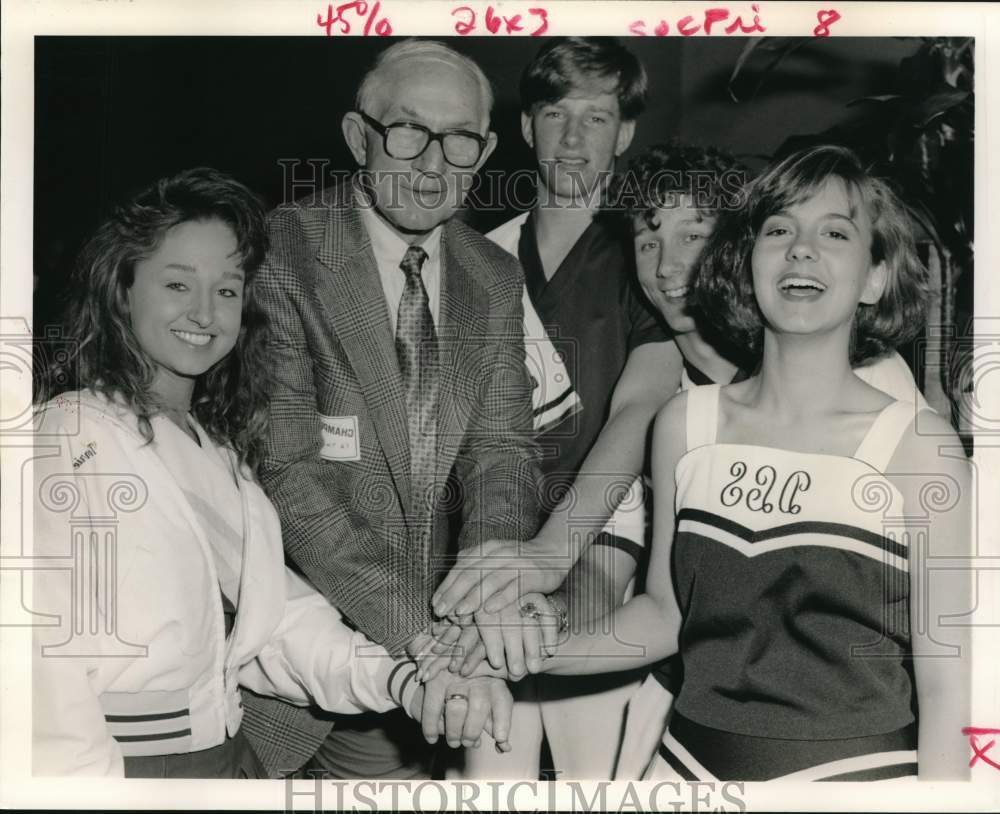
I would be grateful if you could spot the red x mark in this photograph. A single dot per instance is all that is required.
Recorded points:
(973, 732)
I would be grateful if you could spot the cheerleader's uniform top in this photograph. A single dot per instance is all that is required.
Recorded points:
(793, 582)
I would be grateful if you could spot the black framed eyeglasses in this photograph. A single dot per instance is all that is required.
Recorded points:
(406, 140)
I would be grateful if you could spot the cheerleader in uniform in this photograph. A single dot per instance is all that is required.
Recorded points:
(670, 229)
(791, 510)
(795, 609)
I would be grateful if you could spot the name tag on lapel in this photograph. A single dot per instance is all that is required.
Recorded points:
(340, 438)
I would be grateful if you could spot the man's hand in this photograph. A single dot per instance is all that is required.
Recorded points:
(455, 643)
(493, 575)
(446, 646)
(463, 708)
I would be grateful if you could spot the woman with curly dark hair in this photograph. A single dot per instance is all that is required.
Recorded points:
(179, 595)
(204, 208)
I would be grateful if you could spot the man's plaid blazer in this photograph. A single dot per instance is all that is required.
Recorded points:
(355, 528)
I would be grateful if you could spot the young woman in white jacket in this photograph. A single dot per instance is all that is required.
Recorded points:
(169, 591)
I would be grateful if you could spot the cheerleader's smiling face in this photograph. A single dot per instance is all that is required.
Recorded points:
(667, 247)
(186, 300)
(812, 263)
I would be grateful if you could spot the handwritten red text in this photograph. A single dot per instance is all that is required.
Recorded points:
(709, 22)
(826, 19)
(535, 24)
(359, 10)
(979, 750)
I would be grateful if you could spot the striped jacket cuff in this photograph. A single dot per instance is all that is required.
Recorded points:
(402, 682)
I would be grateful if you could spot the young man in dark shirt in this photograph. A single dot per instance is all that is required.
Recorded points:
(580, 98)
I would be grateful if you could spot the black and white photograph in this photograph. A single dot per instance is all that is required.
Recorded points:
(507, 406)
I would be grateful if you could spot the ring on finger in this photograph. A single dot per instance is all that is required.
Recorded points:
(455, 696)
(529, 610)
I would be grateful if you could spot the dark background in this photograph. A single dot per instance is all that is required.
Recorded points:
(113, 114)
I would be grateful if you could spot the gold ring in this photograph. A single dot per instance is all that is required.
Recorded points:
(455, 697)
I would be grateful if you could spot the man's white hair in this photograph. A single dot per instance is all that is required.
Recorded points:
(375, 81)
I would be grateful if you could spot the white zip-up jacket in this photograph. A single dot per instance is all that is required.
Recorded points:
(134, 660)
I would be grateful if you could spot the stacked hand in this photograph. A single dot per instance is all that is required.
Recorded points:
(512, 642)
(495, 574)
(459, 707)
(462, 708)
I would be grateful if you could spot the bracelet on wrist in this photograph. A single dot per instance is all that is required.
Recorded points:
(559, 605)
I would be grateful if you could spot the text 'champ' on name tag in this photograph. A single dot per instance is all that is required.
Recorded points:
(340, 438)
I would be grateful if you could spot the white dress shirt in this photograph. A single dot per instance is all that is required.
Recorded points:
(389, 249)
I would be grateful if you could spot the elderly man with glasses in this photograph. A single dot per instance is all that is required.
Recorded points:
(401, 405)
